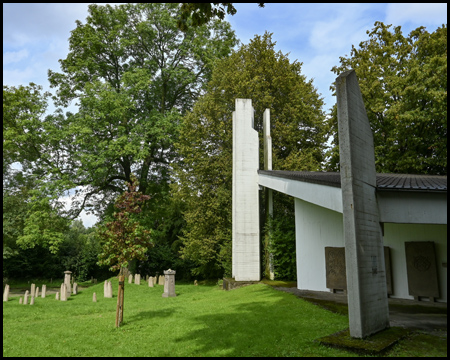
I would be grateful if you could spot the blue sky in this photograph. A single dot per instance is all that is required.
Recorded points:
(35, 36)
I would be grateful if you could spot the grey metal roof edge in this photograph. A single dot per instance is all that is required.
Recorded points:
(309, 176)
(277, 173)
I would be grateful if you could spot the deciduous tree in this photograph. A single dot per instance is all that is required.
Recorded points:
(125, 238)
(267, 77)
(132, 74)
(403, 80)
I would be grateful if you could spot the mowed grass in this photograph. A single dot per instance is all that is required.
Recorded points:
(203, 320)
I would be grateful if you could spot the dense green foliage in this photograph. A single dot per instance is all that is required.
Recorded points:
(281, 244)
(78, 252)
(155, 105)
(403, 80)
(256, 72)
(133, 74)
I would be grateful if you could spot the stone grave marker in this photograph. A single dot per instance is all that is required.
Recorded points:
(130, 279)
(161, 280)
(20, 300)
(6, 293)
(25, 298)
(44, 290)
(335, 268)
(36, 294)
(33, 289)
(421, 269)
(32, 300)
(75, 288)
(137, 279)
(150, 282)
(195, 282)
(57, 295)
(107, 289)
(64, 293)
(67, 282)
(169, 283)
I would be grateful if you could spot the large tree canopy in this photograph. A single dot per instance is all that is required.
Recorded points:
(133, 74)
(403, 81)
(267, 77)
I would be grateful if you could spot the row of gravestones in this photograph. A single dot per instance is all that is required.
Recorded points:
(66, 289)
(151, 280)
(34, 293)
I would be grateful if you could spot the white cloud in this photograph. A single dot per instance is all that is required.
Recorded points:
(14, 56)
(421, 14)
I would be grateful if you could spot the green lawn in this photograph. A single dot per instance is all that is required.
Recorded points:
(254, 320)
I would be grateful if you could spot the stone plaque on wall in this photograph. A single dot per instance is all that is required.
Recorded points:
(421, 268)
(335, 268)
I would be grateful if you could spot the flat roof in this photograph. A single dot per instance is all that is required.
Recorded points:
(398, 182)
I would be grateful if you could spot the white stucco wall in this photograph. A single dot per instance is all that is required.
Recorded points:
(395, 236)
(316, 227)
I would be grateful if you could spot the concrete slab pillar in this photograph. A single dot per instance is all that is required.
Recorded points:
(268, 192)
(365, 268)
(245, 195)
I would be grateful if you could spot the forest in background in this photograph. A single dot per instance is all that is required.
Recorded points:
(154, 110)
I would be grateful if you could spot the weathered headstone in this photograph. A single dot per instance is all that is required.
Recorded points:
(64, 292)
(155, 280)
(335, 268)
(44, 290)
(130, 279)
(195, 282)
(36, 294)
(67, 282)
(32, 300)
(107, 289)
(33, 289)
(137, 279)
(25, 298)
(94, 297)
(169, 283)
(421, 269)
(20, 300)
(75, 288)
(161, 280)
(150, 282)
(6, 293)
(57, 295)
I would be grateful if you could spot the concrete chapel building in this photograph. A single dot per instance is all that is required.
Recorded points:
(370, 235)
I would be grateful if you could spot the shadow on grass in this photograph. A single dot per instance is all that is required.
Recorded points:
(245, 331)
(148, 315)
